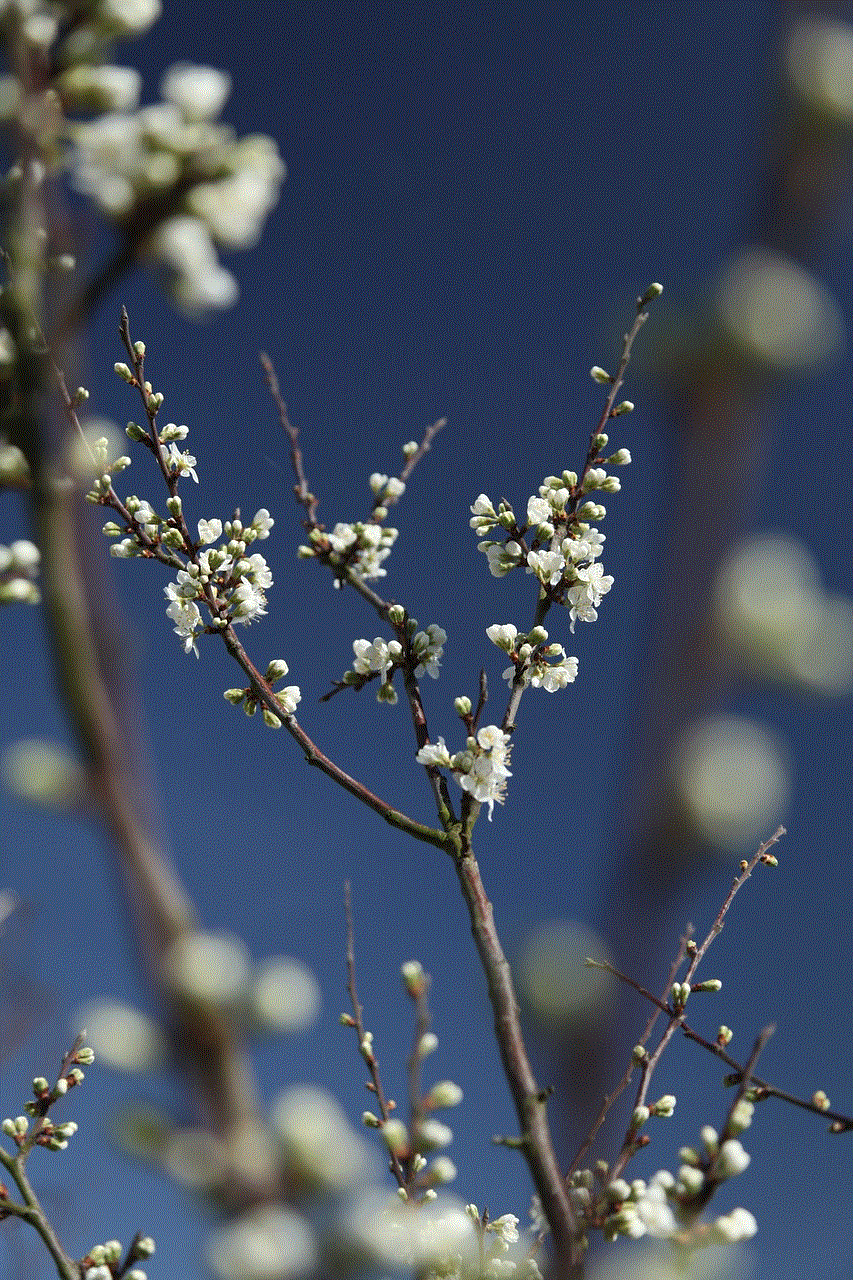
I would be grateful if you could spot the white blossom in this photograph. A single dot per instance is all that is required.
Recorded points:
(199, 92)
(733, 1227)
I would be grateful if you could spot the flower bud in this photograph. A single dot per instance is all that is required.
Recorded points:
(654, 291)
(599, 375)
(396, 1137)
(123, 372)
(462, 706)
(276, 669)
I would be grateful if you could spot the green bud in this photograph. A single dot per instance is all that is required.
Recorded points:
(724, 1036)
(123, 372)
(599, 375)
(462, 706)
(276, 670)
(271, 720)
(139, 348)
(174, 506)
(234, 696)
(135, 432)
(627, 406)
(654, 291)
(710, 984)
(396, 615)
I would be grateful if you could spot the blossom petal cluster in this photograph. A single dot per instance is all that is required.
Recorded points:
(557, 542)
(361, 546)
(534, 662)
(229, 582)
(170, 166)
(480, 769)
(381, 657)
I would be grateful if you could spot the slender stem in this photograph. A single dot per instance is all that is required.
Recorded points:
(529, 1098)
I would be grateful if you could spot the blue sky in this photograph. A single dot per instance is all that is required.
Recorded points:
(473, 202)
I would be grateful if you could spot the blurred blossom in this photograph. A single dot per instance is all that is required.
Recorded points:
(272, 1243)
(818, 65)
(90, 88)
(733, 779)
(320, 1146)
(211, 968)
(639, 1262)
(196, 1159)
(198, 281)
(559, 989)
(200, 92)
(774, 618)
(778, 315)
(81, 449)
(438, 1236)
(121, 1036)
(42, 773)
(285, 995)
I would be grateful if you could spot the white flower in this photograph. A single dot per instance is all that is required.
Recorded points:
(235, 208)
(269, 1243)
(505, 1227)
(247, 603)
(375, 655)
(209, 531)
(433, 1134)
(482, 507)
(483, 773)
(731, 1160)
(735, 1226)
(289, 697)
(200, 92)
(256, 569)
(434, 753)
(587, 546)
(262, 522)
(552, 676)
(129, 17)
(186, 617)
(181, 463)
(596, 581)
(503, 635)
(538, 511)
(199, 282)
(102, 88)
(547, 565)
(342, 537)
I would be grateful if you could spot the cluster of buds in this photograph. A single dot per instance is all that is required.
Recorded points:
(105, 1261)
(557, 542)
(383, 657)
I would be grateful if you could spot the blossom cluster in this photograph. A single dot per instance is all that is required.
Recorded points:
(534, 661)
(667, 1205)
(170, 168)
(361, 546)
(480, 769)
(382, 657)
(216, 570)
(557, 543)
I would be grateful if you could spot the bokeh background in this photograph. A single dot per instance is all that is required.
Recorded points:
(474, 200)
